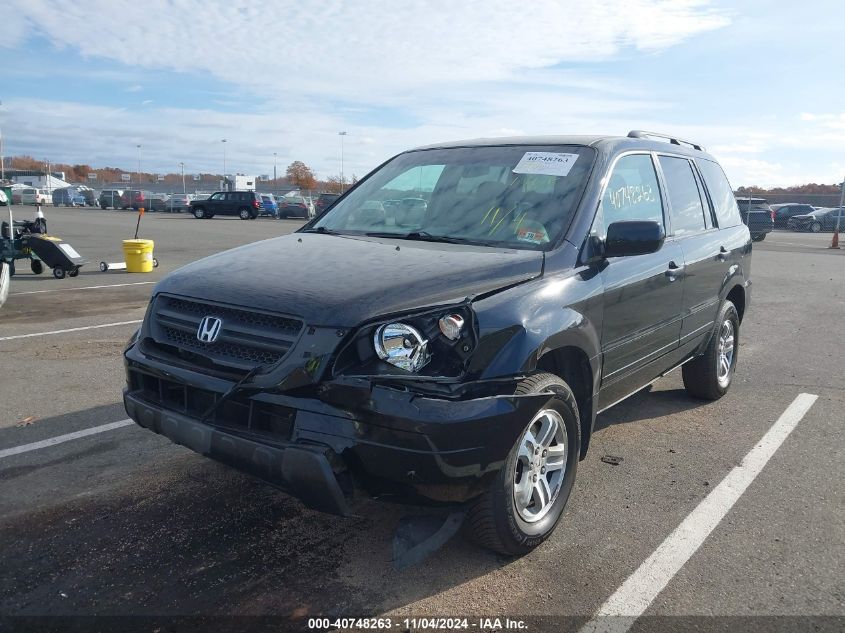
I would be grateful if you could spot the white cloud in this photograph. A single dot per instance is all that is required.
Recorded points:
(134, 88)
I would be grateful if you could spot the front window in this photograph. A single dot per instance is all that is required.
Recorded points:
(512, 196)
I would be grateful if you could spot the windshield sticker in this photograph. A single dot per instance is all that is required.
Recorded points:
(545, 163)
(533, 233)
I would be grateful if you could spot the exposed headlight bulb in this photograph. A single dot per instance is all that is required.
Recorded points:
(451, 326)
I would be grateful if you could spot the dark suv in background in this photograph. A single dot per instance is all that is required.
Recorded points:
(324, 201)
(244, 204)
(787, 210)
(758, 216)
(457, 353)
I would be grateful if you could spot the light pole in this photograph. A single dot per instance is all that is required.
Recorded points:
(139, 165)
(274, 169)
(224, 158)
(182, 165)
(341, 135)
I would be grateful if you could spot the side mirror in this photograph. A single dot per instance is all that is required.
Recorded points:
(633, 237)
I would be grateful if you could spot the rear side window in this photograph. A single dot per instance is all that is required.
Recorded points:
(721, 194)
(685, 205)
(632, 192)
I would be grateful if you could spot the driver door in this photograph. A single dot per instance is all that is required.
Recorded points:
(643, 294)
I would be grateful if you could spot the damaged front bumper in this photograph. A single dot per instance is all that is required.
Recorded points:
(342, 436)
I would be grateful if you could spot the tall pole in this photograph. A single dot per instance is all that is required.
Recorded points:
(139, 165)
(841, 204)
(274, 169)
(224, 158)
(342, 181)
(182, 165)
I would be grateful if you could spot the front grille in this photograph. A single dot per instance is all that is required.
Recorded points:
(246, 339)
(238, 414)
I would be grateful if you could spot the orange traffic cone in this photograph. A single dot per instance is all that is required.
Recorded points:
(834, 243)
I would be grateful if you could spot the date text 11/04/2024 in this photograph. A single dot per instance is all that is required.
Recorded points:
(418, 624)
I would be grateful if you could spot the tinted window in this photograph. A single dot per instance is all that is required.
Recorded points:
(684, 197)
(721, 194)
(632, 192)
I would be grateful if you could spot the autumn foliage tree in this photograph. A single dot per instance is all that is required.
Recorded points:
(301, 176)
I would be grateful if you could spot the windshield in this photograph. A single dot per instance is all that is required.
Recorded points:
(514, 196)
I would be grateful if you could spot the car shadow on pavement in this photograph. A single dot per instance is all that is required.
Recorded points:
(648, 404)
(165, 531)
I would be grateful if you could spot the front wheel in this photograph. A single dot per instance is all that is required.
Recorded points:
(815, 227)
(59, 272)
(709, 376)
(526, 499)
(759, 238)
(199, 213)
(37, 266)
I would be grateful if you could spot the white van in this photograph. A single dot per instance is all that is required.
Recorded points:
(36, 196)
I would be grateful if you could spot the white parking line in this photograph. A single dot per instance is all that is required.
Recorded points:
(631, 600)
(36, 292)
(73, 329)
(59, 439)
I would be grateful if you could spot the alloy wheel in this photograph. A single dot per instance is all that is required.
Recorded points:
(540, 466)
(725, 357)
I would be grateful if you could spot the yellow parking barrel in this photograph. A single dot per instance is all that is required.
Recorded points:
(139, 255)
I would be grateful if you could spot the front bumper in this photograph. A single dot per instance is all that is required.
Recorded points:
(344, 436)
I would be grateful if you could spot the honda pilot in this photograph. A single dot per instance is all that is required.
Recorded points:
(457, 350)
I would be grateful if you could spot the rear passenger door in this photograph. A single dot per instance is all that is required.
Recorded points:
(705, 256)
(643, 294)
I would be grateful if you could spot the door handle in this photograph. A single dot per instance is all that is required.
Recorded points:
(722, 256)
(674, 271)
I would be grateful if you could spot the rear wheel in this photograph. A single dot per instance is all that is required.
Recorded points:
(37, 266)
(199, 213)
(244, 214)
(527, 497)
(815, 227)
(59, 272)
(74, 272)
(709, 376)
(759, 238)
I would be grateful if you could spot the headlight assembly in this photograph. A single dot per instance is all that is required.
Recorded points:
(401, 345)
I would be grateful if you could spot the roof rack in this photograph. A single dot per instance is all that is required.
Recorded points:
(672, 139)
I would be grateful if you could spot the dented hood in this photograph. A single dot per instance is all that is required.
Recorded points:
(344, 281)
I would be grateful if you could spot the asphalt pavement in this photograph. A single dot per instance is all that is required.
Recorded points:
(123, 522)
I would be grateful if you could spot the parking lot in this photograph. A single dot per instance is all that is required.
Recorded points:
(121, 521)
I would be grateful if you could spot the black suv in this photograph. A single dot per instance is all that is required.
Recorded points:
(459, 354)
(787, 210)
(324, 201)
(244, 204)
(758, 215)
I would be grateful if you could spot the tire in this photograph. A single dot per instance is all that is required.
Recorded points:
(759, 238)
(702, 375)
(59, 272)
(816, 227)
(199, 213)
(244, 214)
(497, 520)
(74, 272)
(36, 266)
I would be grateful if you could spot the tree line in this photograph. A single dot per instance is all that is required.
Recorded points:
(297, 174)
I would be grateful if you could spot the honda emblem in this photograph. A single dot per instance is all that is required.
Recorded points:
(209, 329)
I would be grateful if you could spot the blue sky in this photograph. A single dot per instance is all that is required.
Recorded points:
(758, 83)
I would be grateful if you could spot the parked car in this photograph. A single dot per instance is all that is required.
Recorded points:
(461, 359)
(179, 202)
(819, 220)
(244, 204)
(758, 216)
(33, 195)
(17, 195)
(74, 197)
(324, 201)
(156, 202)
(269, 206)
(786, 210)
(134, 199)
(295, 206)
(110, 198)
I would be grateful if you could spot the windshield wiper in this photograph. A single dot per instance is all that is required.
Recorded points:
(321, 229)
(425, 236)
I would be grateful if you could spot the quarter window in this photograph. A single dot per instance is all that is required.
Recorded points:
(632, 192)
(684, 195)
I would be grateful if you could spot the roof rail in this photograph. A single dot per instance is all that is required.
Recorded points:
(672, 139)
